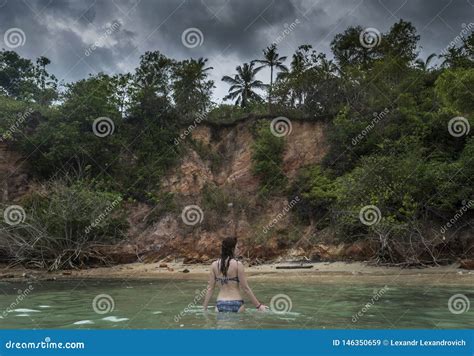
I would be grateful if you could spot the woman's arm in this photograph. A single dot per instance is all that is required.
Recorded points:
(210, 287)
(246, 288)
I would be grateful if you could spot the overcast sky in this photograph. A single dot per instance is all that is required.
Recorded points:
(233, 31)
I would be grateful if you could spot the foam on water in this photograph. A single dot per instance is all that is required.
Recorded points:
(288, 313)
(114, 319)
(26, 311)
(83, 322)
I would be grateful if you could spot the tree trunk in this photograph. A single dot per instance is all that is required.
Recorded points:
(270, 91)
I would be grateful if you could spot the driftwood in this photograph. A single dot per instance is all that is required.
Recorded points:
(295, 267)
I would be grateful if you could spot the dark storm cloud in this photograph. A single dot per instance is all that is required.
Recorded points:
(80, 38)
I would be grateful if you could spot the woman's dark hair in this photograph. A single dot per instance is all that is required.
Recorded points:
(227, 253)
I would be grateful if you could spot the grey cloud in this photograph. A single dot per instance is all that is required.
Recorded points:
(234, 31)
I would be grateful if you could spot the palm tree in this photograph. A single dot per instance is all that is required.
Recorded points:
(271, 59)
(243, 85)
(294, 76)
(423, 65)
(200, 68)
(300, 58)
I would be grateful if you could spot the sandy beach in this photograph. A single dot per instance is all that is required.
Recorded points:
(321, 272)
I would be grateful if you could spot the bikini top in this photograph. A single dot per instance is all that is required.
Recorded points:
(225, 280)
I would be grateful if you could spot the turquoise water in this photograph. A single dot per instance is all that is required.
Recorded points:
(167, 304)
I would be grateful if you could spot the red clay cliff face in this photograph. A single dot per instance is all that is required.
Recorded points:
(233, 146)
(170, 237)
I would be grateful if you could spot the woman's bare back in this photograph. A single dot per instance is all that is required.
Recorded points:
(229, 285)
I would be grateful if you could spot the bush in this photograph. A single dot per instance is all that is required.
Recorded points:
(225, 113)
(164, 202)
(61, 225)
(18, 117)
(317, 190)
(267, 159)
(454, 87)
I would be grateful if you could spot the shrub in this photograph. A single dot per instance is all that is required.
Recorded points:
(225, 113)
(454, 87)
(61, 224)
(164, 202)
(267, 159)
(317, 190)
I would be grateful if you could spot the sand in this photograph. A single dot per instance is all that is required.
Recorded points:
(321, 272)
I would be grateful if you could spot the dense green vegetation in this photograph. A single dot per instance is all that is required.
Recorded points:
(393, 143)
(267, 159)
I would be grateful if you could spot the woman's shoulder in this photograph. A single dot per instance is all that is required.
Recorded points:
(232, 261)
(237, 262)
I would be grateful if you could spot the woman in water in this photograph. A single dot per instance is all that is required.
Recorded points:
(229, 274)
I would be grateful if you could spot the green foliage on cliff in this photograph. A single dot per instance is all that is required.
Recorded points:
(454, 88)
(267, 159)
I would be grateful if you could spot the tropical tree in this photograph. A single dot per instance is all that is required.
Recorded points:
(46, 83)
(401, 42)
(460, 57)
(243, 85)
(69, 137)
(123, 91)
(191, 87)
(152, 86)
(16, 76)
(289, 89)
(424, 65)
(271, 59)
(349, 50)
